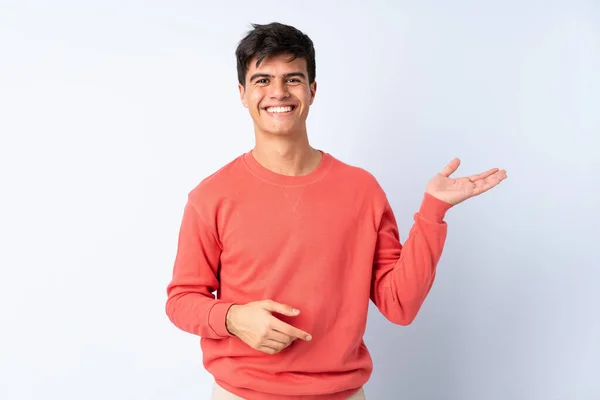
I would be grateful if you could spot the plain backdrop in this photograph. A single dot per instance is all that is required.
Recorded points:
(111, 111)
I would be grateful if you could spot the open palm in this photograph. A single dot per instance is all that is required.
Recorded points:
(457, 190)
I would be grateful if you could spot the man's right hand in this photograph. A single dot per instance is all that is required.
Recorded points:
(254, 324)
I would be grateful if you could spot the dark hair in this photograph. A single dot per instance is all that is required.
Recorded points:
(272, 39)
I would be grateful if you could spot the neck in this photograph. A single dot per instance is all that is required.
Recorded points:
(286, 155)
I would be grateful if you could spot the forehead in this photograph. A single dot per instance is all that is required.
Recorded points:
(278, 64)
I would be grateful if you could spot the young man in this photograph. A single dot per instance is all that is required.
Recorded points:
(296, 243)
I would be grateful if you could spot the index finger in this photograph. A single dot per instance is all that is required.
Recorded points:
(483, 175)
(290, 330)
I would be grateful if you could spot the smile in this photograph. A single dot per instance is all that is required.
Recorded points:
(280, 110)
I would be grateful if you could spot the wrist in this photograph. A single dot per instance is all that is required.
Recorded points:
(434, 208)
(230, 319)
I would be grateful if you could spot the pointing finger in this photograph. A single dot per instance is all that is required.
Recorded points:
(284, 309)
(290, 330)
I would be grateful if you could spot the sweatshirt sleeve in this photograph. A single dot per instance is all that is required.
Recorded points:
(403, 274)
(191, 305)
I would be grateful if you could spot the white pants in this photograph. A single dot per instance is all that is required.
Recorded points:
(221, 394)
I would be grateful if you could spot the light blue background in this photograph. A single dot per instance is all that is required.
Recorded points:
(111, 111)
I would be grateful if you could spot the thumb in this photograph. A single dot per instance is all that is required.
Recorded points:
(284, 309)
(450, 168)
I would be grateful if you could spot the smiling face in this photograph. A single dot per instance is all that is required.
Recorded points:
(278, 95)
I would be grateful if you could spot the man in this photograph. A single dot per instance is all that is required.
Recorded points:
(296, 243)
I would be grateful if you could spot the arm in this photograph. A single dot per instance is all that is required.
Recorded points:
(191, 305)
(403, 275)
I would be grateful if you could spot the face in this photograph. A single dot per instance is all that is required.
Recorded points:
(278, 95)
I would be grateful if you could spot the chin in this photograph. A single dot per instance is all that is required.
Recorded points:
(281, 131)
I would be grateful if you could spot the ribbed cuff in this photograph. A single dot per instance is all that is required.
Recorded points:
(433, 209)
(217, 319)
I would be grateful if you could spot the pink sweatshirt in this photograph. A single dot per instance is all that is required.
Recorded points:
(325, 243)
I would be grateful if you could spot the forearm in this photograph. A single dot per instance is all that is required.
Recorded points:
(197, 313)
(406, 273)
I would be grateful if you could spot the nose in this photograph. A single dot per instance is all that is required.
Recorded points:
(279, 90)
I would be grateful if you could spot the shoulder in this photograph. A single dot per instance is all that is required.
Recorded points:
(218, 185)
(357, 177)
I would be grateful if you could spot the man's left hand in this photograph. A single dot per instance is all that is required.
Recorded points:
(457, 190)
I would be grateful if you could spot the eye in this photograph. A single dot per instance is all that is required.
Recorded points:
(294, 80)
(262, 81)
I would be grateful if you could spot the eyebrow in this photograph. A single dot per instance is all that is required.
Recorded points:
(262, 75)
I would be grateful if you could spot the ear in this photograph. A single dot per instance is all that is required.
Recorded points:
(313, 91)
(243, 94)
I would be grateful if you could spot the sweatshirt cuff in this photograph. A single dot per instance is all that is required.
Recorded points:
(433, 209)
(217, 319)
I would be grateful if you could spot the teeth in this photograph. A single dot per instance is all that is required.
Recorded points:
(279, 109)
